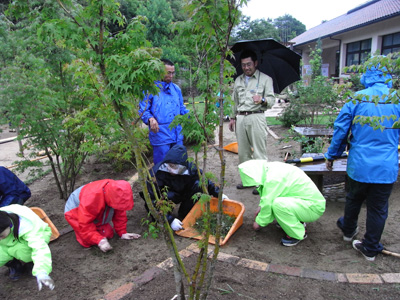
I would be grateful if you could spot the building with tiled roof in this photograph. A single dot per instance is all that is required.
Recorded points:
(373, 27)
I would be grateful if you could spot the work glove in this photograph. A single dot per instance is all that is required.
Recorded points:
(224, 197)
(104, 245)
(130, 236)
(176, 225)
(45, 279)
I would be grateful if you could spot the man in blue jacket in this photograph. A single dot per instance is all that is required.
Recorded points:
(372, 164)
(12, 189)
(158, 111)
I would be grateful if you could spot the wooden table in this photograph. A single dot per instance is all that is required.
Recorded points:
(317, 169)
(313, 132)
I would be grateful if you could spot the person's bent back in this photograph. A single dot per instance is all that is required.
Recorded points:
(12, 189)
(90, 209)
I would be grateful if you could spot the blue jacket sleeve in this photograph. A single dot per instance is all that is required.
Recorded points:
(341, 131)
(145, 109)
(6, 200)
(183, 110)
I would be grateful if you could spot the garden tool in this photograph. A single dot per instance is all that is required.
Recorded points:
(387, 252)
(312, 159)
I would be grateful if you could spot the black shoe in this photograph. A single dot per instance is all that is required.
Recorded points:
(15, 269)
(290, 242)
(240, 186)
(255, 192)
(357, 245)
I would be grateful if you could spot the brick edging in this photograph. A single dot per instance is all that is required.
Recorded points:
(354, 278)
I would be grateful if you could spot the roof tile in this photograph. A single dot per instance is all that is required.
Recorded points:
(369, 12)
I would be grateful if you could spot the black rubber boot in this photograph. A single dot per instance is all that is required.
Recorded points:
(15, 269)
(28, 267)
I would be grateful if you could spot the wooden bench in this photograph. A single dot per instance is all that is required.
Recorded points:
(317, 169)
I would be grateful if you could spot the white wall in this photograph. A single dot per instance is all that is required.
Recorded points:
(330, 46)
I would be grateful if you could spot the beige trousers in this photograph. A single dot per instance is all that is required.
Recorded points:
(251, 134)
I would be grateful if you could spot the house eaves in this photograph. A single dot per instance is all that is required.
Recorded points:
(366, 14)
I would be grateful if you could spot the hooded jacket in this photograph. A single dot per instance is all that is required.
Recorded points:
(164, 107)
(95, 204)
(11, 187)
(373, 154)
(34, 236)
(277, 179)
(181, 186)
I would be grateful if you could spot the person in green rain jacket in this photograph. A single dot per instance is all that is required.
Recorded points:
(24, 238)
(287, 194)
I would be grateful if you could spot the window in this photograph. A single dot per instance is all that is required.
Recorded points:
(391, 43)
(358, 52)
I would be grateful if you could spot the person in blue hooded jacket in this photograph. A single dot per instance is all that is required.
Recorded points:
(372, 164)
(179, 178)
(12, 189)
(158, 111)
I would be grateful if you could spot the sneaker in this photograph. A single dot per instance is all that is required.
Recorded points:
(349, 238)
(290, 242)
(255, 192)
(357, 245)
(240, 186)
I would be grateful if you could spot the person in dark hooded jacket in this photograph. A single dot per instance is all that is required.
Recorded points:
(180, 179)
(90, 209)
(372, 164)
(12, 189)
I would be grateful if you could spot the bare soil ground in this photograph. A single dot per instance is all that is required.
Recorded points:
(81, 273)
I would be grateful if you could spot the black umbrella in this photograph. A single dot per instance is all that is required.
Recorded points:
(274, 59)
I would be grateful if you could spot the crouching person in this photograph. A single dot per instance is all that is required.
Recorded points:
(90, 209)
(12, 189)
(179, 179)
(287, 194)
(24, 239)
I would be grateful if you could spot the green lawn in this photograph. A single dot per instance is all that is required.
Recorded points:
(273, 121)
(322, 120)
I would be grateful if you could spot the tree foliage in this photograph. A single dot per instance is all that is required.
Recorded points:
(87, 81)
(39, 95)
(281, 29)
(205, 38)
(315, 96)
(254, 30)
(391, 63)
(159, 16)
(288, 27)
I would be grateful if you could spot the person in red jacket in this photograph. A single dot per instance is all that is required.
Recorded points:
(90, 209)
